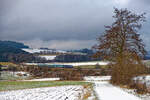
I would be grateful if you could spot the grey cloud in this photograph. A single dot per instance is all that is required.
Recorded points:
(6, 5)
(53, 19)
(61, 20)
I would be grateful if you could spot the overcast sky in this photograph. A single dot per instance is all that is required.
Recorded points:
(64, 24)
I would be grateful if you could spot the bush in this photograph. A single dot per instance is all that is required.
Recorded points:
(12, 68)
(71, 75)
(141, 88)
(104, 72)
(64, 73)
(122, 74)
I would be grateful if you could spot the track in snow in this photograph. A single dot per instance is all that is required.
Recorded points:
(106, 91)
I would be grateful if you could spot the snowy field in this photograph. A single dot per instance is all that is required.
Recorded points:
(74, 64)
(48, 93)
(48, 57)
(35, 50)
(44, 79)
(30, 50)
(9, 75)
(87, 63)
(103, 89)
(97, 78)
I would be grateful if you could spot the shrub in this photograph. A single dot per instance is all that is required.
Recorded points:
(12, 68)
(141, 88)
(123, 73)
(104, 72)
(71, 75)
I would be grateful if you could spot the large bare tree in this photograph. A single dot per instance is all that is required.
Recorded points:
(121, 43)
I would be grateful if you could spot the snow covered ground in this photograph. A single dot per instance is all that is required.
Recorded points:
(97, 78)
(48, 93)
(19, 72)
(142, 96)
(87, 63)
(48, 57)
(106, 91)
(30, 50)
(143, 80)
(44, 79)
(103, 89)
(9, 75)
(73, 64)
(34, 50)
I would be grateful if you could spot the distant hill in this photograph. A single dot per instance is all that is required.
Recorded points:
(85, 51)
(12, 44)
(62, 55)
(10, 47)
(43, 51)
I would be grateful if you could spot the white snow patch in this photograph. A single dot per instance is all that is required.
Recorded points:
(143, 80)
(106, 91)
(47, 57)
(133, 91)
(97, 78)
(88, 63)
(20, 72)
(34, 50)
(44, 79)
(30, 50)
(73, 64)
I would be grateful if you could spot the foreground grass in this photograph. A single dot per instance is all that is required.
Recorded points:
(15, 85)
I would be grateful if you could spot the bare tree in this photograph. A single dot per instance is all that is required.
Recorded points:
(121, 44)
